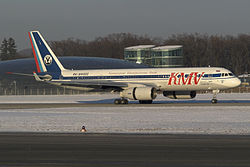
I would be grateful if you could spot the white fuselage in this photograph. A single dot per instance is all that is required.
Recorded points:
(164, 79)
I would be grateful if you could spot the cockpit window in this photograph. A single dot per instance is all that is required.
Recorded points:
(223, 74)
(231, 74)
(226, 74)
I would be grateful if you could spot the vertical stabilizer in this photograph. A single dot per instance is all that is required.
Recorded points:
(46, 60)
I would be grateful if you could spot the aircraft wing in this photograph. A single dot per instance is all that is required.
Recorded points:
(94, 83)
(88, 83)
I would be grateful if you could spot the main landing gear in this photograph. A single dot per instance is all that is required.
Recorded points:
(214, 100)
(125, 101)
(121, 101)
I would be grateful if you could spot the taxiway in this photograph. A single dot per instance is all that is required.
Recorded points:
(119, 150)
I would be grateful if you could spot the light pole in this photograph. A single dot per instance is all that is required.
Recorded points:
(14, 82)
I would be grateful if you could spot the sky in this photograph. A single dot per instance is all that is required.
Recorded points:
(88, 19)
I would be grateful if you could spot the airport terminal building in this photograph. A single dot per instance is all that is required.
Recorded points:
(159, 57)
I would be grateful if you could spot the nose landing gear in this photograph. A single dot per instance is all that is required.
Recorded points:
(214, 100)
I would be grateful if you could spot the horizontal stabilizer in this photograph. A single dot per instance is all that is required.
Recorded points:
(15, 73)
(42, 77)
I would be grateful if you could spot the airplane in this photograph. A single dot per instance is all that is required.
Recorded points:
(132, 84)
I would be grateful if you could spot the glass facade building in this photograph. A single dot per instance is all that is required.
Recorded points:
(140, 54)
(167, 56)
(162, 56)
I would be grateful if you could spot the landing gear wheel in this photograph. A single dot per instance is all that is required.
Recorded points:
(121, 101)
(117, 101)
(145, 101)
(214, 101)
(124, 101)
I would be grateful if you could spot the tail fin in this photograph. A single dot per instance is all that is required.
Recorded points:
(46, 60)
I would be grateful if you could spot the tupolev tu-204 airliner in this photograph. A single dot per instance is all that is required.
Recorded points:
(132, 84)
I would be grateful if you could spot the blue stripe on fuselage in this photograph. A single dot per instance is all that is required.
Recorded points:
(135, 76)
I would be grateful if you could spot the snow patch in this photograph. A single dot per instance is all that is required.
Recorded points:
(190, 120)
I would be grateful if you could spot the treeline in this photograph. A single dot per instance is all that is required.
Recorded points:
(111, 46)
(8, 49)
(231, 52)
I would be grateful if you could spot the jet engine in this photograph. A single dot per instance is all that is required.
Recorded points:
(139, 93)
(179, 94)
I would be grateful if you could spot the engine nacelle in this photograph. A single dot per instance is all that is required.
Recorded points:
(180, 94)
(139, 93)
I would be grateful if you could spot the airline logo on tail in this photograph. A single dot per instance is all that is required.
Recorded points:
(46, 60)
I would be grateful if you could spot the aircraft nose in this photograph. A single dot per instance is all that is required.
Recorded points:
(236, 82)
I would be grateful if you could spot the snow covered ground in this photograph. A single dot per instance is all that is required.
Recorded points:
(127, 119)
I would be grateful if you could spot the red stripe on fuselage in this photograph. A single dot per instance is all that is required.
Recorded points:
(34, 53)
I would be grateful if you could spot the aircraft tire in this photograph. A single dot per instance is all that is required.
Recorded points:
(214, 101)
(117, 101)
(124, 101)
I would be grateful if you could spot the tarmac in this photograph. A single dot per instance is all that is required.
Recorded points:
(63, 105)
(119, 150)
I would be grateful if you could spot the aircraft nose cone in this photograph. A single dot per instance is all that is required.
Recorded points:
(237, 82)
